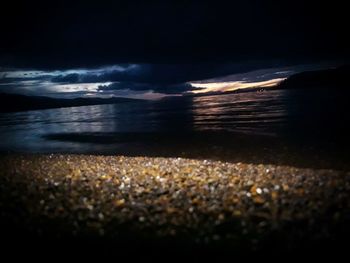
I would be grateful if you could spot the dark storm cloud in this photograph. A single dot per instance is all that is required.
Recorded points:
(160, 78)
(70, 78)
(86, 34)
(4, 80)
(161, 88)
(159, 73)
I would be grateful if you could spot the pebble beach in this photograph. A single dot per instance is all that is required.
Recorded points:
(199, 202)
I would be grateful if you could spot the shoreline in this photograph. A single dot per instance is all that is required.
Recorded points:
(311, 151)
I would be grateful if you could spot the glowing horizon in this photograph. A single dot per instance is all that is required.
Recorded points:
(232, 85)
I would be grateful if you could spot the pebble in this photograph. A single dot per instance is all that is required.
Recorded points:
(95, 194)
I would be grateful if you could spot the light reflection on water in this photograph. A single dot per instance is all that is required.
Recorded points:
(273, 113)
(252, 112)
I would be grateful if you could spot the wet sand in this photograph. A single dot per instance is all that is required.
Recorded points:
(234, 207)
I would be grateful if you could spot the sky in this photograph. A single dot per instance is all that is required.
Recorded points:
(152, 49)
(138, 80)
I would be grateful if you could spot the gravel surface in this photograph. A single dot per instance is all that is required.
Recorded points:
(194, 201)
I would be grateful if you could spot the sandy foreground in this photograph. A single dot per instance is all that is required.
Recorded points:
(199, 202)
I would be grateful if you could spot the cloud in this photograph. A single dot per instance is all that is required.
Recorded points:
(158, 73)
(160, 78)
(161, 88)
(6, 80)
(70, 78)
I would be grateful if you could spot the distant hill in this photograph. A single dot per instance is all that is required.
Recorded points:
(328, 78)
(15, 102)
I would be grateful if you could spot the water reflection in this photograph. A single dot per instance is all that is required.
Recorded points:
(23, 131)
(107, 128)
(28, 131)
(253, 112)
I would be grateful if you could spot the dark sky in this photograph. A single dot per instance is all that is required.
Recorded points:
(63, 34)
(181, 40)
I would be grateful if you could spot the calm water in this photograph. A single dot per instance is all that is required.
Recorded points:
(115, 128)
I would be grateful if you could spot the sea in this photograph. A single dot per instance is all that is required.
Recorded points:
(211, 126)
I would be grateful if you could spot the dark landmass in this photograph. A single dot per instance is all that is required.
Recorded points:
(328, 78)
(16, 102)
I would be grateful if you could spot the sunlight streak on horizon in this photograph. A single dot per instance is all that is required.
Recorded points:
(233, 85)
